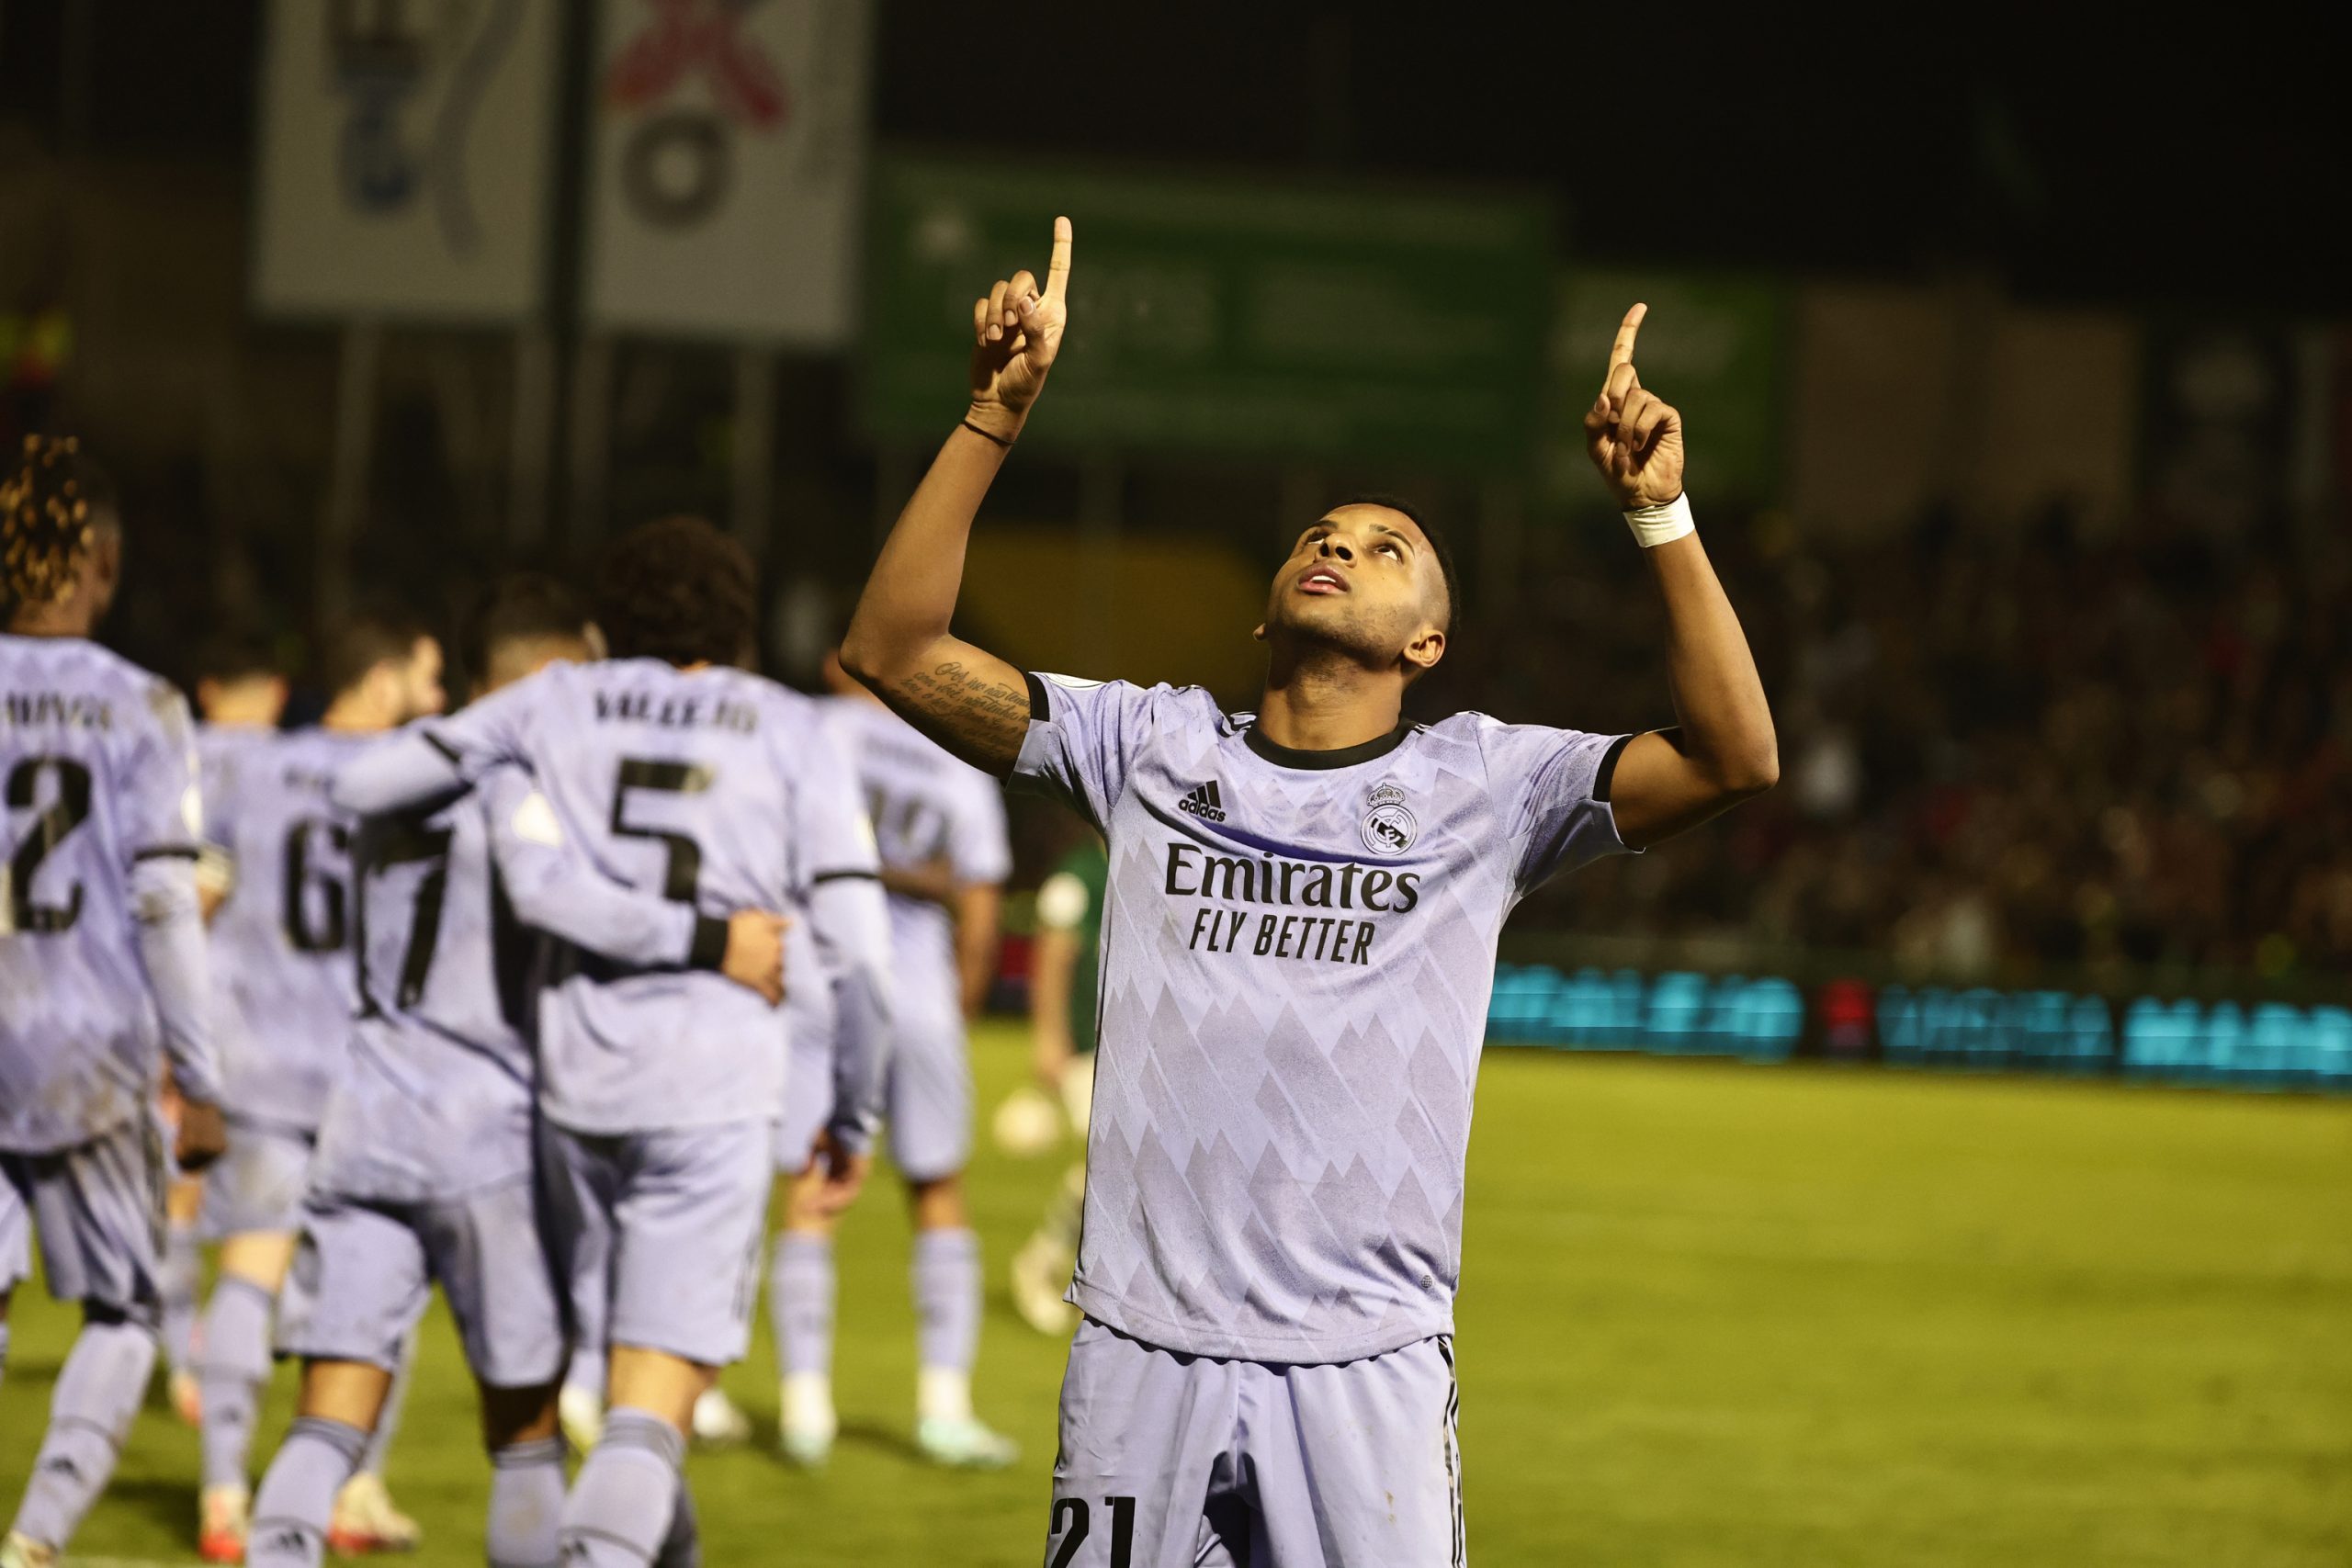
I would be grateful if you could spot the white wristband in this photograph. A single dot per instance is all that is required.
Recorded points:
(1654, 525)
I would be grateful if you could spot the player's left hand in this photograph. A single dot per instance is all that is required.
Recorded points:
(843, 1172)
(1634, 436)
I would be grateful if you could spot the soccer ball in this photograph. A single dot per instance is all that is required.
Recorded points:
(1028, 1123)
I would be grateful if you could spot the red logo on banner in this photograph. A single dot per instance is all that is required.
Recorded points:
(701, 38)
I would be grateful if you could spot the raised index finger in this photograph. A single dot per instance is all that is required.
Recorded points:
(1057, 269)
(1621, 351)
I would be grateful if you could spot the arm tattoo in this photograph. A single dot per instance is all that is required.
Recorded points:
(981, 720)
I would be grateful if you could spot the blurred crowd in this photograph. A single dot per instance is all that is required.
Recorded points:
(2001, 752)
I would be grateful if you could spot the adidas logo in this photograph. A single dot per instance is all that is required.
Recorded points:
(1204, 802)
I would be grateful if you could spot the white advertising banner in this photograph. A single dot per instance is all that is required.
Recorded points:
(406, 158)
(726, 163)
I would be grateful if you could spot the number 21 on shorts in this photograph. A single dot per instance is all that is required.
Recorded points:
(1073, 1520)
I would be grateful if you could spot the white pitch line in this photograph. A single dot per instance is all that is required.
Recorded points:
(78, 1561)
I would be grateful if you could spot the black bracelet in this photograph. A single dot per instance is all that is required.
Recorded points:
(986, 436)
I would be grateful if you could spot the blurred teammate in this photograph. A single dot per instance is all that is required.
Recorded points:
(286, 992)
(425, 1169)
(240, 696)
(1298, 948)
(101, 957)
(939, 826)
(1063, 966)
(674, 771)
(829, 1035)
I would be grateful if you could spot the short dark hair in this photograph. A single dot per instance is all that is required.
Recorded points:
(1438, 543)
(233, 653)
(54, 503)
(519, 606)
(678, 590)
(362, 641)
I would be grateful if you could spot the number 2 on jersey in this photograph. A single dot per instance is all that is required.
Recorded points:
(17, 911)
(676, 778)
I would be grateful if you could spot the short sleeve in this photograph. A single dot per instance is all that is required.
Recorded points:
(163, 805)
(831, 810)
(1556, 781)
(1083, 736)
(979, 849)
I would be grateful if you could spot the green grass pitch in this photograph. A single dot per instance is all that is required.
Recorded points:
(1711, 1314)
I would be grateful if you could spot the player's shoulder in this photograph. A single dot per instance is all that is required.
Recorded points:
(308, 753)
(1500, 748)
(225, 747)
(82, 665)
(800, 713)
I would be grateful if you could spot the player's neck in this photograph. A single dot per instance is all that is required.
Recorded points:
(50, 620)
(355, 712)
(1328, 702)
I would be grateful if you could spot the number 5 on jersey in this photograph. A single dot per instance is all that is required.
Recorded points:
(676, 778)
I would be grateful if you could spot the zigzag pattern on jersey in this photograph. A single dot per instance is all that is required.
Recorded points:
(1293, 1153)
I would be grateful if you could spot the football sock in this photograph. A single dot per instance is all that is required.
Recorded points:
(182, 1270)
(618, 1513)
(800, 1298)
(100, 1390)
(296, 1496)
(233, 1369)
(525, 1504)
(683, 1548)
(946, 1279)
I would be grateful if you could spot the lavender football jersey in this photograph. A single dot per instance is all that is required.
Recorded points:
(220, 753)
(1297, 949)
(926, 807)
(713, 788)
(282, 940)
(99, 817)
(436, 1100)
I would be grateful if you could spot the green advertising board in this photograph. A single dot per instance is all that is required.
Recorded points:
(1711, 345)
(1221, 315)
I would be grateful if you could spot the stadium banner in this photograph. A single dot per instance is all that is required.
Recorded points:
(2221, 423)
(1216, 314)
(726, 169)
(1712, 344)
(2247, 1044)
(404, 160)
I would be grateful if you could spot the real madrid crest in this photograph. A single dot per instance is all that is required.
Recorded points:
(1389, 826)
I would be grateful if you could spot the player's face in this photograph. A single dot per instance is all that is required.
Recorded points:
(1366, 580)
(420, 674)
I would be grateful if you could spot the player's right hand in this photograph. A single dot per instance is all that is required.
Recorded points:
(754, 957)
(1016, 333)
(843, 1172)
(203, 1135)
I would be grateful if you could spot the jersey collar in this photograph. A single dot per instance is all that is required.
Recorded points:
(1343, 757)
